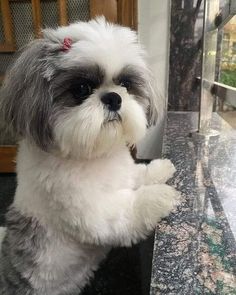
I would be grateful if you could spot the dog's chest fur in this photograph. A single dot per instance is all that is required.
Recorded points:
(41, 253)
(48, 185)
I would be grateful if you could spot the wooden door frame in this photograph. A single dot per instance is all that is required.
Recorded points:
(8, 158)
(123, 12)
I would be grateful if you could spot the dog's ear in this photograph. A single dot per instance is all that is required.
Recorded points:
(156, 105)
(25, 99)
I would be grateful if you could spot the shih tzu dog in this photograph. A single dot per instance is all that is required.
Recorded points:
(78, 99)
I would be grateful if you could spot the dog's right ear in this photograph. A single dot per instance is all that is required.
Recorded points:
(24, 97)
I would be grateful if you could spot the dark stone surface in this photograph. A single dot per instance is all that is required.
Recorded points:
(119, 274)
(195, 248)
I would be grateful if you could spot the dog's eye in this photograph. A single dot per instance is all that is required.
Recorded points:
(81, 90)
(126, 84)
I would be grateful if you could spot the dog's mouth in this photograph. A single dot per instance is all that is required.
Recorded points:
(113, 117)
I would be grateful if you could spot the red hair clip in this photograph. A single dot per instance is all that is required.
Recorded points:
(66, 44)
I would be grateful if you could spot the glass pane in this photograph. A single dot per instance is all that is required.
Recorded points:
(228, 54)
(226, 72)
(223, 3)
(208, 64)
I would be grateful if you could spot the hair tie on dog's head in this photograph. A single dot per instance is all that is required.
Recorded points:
(66, 44)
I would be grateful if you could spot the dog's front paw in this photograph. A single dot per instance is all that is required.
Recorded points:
(156, 202)
(159, 171)
(168, 199)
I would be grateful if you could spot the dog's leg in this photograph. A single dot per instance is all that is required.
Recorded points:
(158, 171)
(129, 215)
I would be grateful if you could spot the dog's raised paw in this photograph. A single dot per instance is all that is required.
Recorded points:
(159, 171)
(157, 201)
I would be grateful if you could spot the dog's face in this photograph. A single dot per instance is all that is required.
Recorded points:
(81, 99)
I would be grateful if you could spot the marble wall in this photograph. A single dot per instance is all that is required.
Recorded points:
(185, 54)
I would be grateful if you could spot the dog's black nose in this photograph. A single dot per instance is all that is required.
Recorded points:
(112, 100)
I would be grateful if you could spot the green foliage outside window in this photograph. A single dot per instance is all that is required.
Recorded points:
(228, 77)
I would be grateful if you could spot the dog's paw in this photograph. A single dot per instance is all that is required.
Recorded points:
(157, 201)
(159, 171)
(169, 198)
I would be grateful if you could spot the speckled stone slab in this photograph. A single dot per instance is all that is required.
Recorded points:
(195, 248)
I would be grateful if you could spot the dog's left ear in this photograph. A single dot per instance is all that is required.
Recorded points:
(25, 99)
(156, 105)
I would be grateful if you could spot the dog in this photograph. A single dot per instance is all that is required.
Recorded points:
(78, 99)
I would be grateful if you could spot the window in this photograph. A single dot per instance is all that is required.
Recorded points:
(218, 82)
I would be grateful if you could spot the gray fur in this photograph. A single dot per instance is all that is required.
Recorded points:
(23, 238)
(21, 273)
(25, 97)
(28, 95)
(64, 78)
(31, 100)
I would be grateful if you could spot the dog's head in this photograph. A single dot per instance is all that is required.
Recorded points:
(81, 90)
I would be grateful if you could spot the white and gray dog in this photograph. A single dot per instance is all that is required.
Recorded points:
(77, 99)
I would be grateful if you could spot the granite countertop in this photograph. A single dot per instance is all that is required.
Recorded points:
(195, 248)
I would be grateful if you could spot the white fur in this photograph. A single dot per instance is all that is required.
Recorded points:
(82, 189)
(109, 45)
(86, 191)
(113, 46)
(81, 132)
(101, 203)
(159, 171)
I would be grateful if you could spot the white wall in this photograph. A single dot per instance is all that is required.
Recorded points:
(154, 34)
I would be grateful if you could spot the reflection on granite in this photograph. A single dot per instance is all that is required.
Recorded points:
(195, 248)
